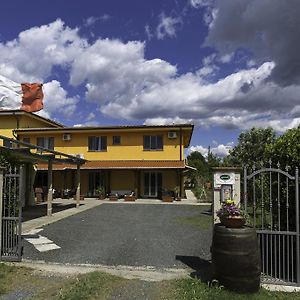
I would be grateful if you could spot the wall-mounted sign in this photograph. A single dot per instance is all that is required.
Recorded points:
(224, 178)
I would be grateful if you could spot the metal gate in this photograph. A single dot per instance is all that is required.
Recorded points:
(271, 199)
(11, 247)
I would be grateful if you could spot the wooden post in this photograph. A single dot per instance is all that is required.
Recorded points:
(78, 186)
(50, 188)
(1, 204)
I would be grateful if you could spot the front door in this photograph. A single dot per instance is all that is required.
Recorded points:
(152, 184)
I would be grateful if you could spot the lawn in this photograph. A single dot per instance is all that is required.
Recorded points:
(27, 283)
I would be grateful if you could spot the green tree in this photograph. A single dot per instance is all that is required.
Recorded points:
(286, 149)
(251, 147)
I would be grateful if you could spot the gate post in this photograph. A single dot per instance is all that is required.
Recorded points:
(227, 185)
(297, 224)
(50, 188)
(1, 205)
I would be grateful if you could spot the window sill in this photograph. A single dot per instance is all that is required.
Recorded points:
(97, 150)
(149, 150)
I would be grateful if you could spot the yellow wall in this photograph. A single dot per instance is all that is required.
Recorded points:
(27, 121)
(131, 147)
(122, 180)
(10, 122)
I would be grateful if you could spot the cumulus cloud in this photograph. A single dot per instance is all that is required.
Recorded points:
(33, 55)
(270, 29)
(167, 26)
(125, 85)
(57, 101)
(220, 150)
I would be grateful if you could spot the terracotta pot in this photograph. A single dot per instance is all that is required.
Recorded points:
(233, 222)
(167, 198)
(130, 198)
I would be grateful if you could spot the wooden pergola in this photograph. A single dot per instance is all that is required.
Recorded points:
(29, 153)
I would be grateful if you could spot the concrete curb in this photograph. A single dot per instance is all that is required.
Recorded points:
(146, 273)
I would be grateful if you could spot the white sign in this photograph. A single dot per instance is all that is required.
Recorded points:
(224, 178)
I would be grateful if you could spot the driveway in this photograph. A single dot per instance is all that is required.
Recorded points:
(128, 235)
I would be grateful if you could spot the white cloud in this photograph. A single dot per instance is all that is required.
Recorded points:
(32, 56)
(167, 26)
(148, 32)
(200, 3)
(57, 101)
(90, 21)
(220, 150)
(125, 85)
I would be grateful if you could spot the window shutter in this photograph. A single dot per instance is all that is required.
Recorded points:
(159, 142)
(51, 143)
(103, 143)
(147, 142)
(91, 138)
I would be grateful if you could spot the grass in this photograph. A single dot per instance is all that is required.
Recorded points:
(198, 220)
(97, 285)
(192, 289)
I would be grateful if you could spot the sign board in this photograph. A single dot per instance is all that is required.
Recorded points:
(224, 178)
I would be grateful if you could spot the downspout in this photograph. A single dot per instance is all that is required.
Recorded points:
(18, 125)
(180, 183)
(180, 137)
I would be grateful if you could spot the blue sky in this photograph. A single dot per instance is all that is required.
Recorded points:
(223, 65)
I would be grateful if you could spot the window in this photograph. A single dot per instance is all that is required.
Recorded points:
(97, 143)
(26, 140)
(153, 142)
(116, 140)
(46, 142)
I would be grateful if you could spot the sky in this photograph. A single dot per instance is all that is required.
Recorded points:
(223, 65)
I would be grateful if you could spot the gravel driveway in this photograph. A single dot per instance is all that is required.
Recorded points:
(128, 235)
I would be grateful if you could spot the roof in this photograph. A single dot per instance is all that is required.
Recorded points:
(89, 128)
(32, 115)
(121, 164)
(22, 151)
(180, 127)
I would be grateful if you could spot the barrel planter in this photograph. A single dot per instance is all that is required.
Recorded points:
(236, 258)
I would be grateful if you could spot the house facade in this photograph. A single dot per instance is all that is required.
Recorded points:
(146, 160)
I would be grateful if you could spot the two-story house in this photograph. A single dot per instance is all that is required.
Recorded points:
(143, 159)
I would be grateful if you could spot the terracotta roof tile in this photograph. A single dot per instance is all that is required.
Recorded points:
(121, 164)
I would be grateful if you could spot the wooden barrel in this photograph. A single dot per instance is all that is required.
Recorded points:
(236, 258)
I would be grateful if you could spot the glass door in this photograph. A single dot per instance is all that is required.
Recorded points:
(96, 179)
(152, 184)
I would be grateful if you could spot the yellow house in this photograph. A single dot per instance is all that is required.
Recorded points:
(146, 160)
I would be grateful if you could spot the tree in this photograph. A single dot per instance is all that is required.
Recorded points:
(286, 149)
(251, 147)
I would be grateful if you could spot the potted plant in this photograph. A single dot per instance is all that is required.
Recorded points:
(100, 191)
(231, 215)
(130, 197)
(177, 193)
(167, 196)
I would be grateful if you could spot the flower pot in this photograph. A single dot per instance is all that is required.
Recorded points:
(167, 198)
(129, 198)
(113, 198)
(232, 221)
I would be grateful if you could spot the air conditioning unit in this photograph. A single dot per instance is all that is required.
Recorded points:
(172, 135)
(79, 155)
(67, 137)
